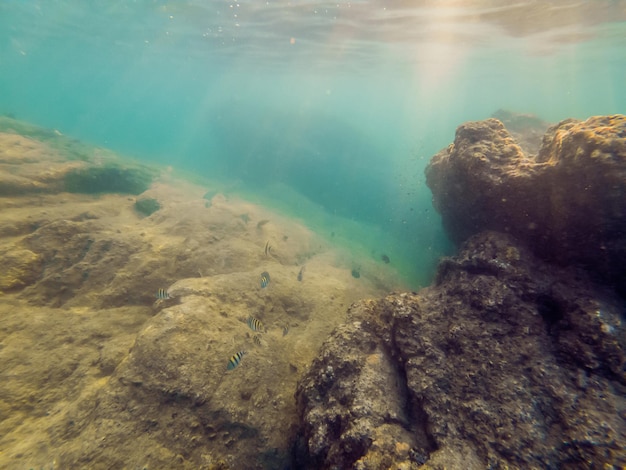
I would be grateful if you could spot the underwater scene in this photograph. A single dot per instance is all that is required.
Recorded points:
(313, 235)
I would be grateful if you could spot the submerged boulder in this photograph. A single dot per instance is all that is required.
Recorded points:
(566, 202)
(505, 362)
(147, 206)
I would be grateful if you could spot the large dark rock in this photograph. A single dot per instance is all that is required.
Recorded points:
(505, 362)
(566, 202)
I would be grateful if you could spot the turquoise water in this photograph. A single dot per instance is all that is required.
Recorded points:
(327, 111)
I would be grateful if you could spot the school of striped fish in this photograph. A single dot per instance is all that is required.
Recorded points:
(253, 323)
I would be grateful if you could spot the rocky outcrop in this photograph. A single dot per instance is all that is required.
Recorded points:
(566, 202)
(515, 357)
(36, 161)
(505, 362)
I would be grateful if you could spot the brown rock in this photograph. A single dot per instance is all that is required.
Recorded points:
(506, 362)
(566, 203)
(100, 373)
(19, 269)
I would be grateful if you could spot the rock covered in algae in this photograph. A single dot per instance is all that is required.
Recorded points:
(19, 269)
(506, 362)
(147, 206)
(566, 202)
(110, 178)
(34, 160)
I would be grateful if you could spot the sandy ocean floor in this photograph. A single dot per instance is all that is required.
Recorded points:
(99, 373)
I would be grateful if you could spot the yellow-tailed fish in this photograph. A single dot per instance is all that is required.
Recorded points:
(265, 279)
(235, 360)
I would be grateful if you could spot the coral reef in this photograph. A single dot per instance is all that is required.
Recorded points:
(566, 202)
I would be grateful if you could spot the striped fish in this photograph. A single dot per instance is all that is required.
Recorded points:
(255, 325)
(265, 279)
(162, 294)
(285, 330)
(257, 340)
(235, 360)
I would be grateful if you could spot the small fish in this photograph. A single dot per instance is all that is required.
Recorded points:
(265, 279)
(162, 294)
(235, 360)
(385, 259)
(268, 249)
(301, 273)
(257, 340)
(255, 325)
(285, 330)
(261, 223)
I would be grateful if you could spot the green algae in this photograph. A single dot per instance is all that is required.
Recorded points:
(147, 206)
(109, 178)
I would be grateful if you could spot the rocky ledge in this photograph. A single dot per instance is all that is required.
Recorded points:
(124, 295)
